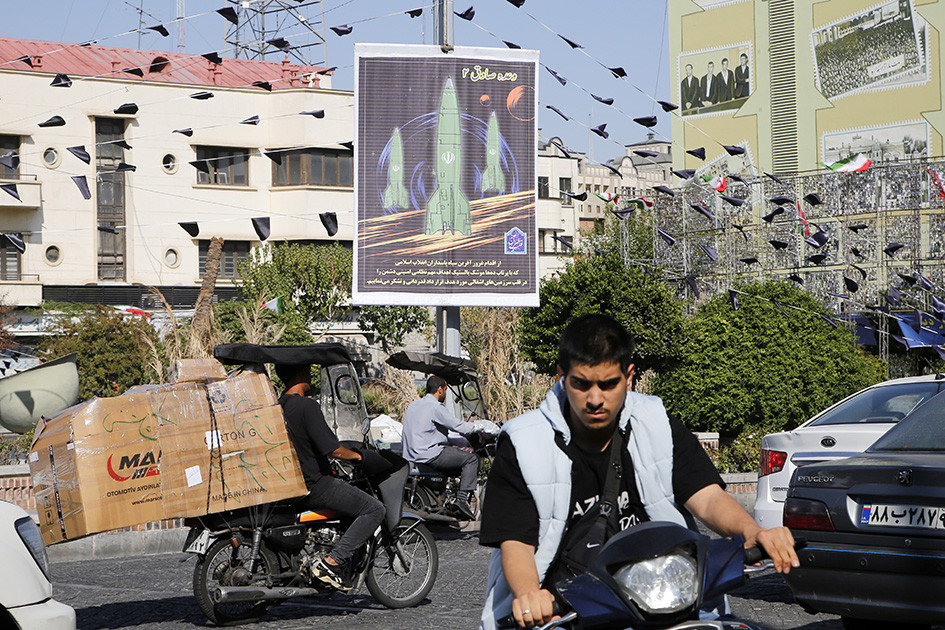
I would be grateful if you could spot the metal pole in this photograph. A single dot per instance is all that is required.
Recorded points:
(447, 317)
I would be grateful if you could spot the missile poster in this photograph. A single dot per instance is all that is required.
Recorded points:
(445, 192)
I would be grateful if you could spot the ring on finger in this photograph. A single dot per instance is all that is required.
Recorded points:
(526, 612)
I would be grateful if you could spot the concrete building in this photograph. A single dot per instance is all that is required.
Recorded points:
(160, 138)
(562, 170)
(800, 82)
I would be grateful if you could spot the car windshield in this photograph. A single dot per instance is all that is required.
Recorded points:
(880, 404)
(923, 430)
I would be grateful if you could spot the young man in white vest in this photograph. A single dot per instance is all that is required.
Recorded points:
(551, 466)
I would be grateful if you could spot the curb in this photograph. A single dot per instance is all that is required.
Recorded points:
(119, 545)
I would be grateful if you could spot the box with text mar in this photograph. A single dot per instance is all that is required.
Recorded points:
(162, 452)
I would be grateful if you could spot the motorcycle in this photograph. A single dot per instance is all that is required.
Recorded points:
(431, 493)
(656, 575)
(250, 559)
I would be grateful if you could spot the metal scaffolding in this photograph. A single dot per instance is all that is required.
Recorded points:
(266, 27)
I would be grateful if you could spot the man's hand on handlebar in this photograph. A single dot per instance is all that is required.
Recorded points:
(534, 608)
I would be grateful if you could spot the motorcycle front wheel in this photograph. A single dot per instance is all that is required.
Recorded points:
(226, 565)
(402, 573)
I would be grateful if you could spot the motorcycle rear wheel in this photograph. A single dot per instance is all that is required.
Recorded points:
(397, 586)
(224, 565)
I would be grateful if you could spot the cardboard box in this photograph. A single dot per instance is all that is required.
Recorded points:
(172, 451)
(195, 371)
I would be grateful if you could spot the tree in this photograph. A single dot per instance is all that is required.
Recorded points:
(313, 282)
(241, 321)
(392, 324)
(508, 382)
(758, 370)
(315, 286)
(115, 350)
(642, 302)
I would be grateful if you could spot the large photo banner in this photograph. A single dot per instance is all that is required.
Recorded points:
(445, 151)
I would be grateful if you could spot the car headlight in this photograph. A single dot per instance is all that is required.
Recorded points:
(666, 584)
(33, 540)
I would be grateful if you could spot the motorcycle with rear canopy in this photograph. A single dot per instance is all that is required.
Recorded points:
(252, 558)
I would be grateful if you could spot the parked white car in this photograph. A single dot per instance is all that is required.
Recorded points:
(843, 430)
(25, 590)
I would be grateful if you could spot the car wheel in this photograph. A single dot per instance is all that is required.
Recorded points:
(851, 623)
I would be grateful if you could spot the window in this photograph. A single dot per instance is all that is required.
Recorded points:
(564, 185)
(227, 166)
(9, 260)
(880, 404)
(542, 187)
(319, 167)
(234, 252)
(110, 197)
(9, 144)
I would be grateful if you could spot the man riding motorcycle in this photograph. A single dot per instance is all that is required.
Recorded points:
(314, 445)
(426, 423)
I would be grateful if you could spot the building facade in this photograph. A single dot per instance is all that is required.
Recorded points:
(801, 82)
(562, 170)
(160, 139)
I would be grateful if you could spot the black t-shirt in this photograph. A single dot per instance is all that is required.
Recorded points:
(509, 511)
(310, 435)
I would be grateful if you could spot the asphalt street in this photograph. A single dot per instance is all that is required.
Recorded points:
(155, 592)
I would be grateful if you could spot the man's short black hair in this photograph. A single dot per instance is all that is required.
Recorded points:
(434, 383)
(725, 60)
(594, 339)
(288, 373)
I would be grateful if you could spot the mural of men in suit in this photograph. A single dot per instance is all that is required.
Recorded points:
(726, 84)
(708, 88)
(689, 90)
(741, 77)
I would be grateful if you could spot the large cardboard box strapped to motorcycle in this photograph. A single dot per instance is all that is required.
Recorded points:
(165, 451)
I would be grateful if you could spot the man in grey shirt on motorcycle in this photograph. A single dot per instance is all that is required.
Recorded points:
(426, 424)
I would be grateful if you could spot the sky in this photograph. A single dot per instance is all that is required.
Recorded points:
(627, 33)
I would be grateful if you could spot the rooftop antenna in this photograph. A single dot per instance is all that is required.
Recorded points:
(181, 35)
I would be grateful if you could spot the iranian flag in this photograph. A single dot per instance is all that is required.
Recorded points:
(719, 182)
(803, 227)
(608, 197)
(852, 164)
(274, 305)
(640, 203)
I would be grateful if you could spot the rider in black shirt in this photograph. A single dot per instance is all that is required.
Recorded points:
(314, 445)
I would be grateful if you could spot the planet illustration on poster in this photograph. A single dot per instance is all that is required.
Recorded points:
(521, 103)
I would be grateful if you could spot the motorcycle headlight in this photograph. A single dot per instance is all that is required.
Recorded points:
(666, 584)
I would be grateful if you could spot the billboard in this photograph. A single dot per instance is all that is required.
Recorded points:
(445, 193)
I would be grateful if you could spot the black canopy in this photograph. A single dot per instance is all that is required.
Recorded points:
(317, 353)
(453, 370)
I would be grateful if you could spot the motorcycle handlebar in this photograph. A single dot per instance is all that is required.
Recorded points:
(754, 555)
(508, 622)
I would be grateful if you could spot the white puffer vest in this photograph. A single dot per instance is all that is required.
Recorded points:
(547, 473)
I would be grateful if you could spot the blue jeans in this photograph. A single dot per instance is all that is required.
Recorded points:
(348, 501)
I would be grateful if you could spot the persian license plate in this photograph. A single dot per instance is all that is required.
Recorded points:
(198, 541)
(916, 516)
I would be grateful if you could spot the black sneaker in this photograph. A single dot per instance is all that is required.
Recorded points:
(462, 506)
(330, 574)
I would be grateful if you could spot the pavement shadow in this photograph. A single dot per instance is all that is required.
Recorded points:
(766, 588)
(177, 610)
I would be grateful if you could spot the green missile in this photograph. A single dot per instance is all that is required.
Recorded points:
(447, 207)
(493, 178)
(395, 195)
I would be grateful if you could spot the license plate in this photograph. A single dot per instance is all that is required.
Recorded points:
(915, 516)
(198, 541)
